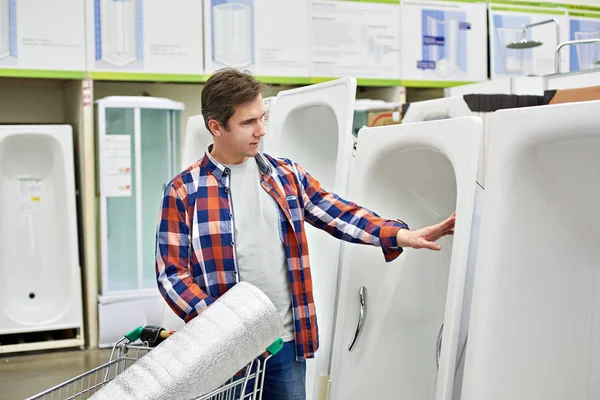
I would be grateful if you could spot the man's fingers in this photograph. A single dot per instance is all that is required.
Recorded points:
(449, 229)
(430, 245)
(448, 223)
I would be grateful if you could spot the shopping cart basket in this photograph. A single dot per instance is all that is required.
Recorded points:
(247, 384)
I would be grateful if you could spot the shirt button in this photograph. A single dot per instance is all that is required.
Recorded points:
(230, 215)
(227, 171)
(232, 243)
(235, 272)
(226, 190)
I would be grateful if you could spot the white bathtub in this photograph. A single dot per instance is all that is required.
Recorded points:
(535, 326)
(312, 126)
(420, 173)
(477, 105)
(40, 277)
(196, 140)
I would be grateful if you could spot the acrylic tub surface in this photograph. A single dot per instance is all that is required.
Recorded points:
(420, 173)
(197, 138)
(312, 126)
(535, 326)
(39, 268)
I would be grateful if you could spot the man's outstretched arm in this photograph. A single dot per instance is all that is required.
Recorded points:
(175, 282)
(350, 222)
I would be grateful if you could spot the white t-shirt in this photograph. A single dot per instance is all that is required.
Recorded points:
(259, 248)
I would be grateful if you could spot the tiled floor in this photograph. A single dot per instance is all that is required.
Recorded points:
(22, 376)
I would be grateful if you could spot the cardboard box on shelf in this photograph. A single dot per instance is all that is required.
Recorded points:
(383, 118)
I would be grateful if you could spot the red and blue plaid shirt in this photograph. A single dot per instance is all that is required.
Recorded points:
(195, 243)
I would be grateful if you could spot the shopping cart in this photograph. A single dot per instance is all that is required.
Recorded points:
(247, 384)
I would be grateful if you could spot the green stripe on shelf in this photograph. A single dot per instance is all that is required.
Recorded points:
(283, 80)
(280, 80)
(433, 84)
(528, 3)
(361, 81)
(40, 73)
(584, 14)
(583, 7)
(134, 76)
(378, 82)
(529, 10)
(461, 1)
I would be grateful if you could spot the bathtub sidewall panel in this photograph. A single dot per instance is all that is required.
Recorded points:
(374, 365)
(534, 308)
(289, 128)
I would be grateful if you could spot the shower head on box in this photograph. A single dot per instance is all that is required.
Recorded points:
(524, 44)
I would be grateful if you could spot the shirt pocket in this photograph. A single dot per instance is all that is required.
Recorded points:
(294, 208)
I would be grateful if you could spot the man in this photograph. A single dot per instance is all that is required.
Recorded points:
(238, 215)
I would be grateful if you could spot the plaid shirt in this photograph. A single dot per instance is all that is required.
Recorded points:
(195, 244)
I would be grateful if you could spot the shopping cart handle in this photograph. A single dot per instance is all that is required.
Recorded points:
(134, 334)
(275, 347)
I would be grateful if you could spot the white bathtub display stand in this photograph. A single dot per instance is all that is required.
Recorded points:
(40, 276)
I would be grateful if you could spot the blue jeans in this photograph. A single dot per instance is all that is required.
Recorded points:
(285, 378)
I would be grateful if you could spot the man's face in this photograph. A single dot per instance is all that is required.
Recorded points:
(244, 131)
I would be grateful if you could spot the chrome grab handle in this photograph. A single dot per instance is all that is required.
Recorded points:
(438, 347)
(362, 292)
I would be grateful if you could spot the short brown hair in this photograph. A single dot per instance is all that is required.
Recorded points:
(226, 89)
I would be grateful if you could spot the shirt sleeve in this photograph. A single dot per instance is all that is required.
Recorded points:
(347, 220)
(175, 282)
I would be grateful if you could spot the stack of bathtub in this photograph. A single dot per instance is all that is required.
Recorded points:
(535, 326)
(479, 105)
(401, 326)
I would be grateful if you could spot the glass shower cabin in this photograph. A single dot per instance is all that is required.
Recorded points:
(138, 154)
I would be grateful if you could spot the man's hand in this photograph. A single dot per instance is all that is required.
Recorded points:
(425, 238)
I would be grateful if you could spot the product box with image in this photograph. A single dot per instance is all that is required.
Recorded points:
(42, 35)
(584, 24)
(144, 37)
(266, 37)
(443, 41)
(524, 37)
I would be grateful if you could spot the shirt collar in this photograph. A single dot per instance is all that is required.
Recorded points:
(220, 171)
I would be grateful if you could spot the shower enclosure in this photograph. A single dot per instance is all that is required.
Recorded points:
(138, 145)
